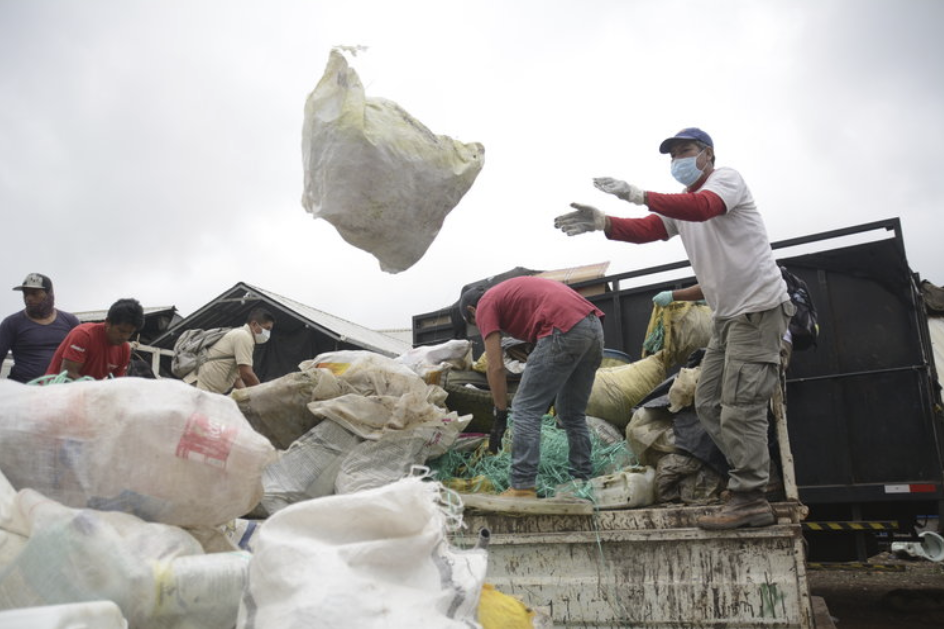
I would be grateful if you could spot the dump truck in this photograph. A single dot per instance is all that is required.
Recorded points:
(860, 442)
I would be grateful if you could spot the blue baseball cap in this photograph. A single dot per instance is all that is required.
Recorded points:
(689, 133)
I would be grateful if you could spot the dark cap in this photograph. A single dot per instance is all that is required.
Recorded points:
(687, 134)
(470, 297)
(35, 280)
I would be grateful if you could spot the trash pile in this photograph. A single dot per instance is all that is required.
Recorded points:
(115, 491)
(126, 502)
(331, 493)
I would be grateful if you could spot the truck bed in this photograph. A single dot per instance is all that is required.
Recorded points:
(650, 568)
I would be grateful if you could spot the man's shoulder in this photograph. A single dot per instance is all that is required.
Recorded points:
(237, 334)
(232, 339)
(725, 173)
(14, 319)
(728, 184)
(68, 317)
(89, 331)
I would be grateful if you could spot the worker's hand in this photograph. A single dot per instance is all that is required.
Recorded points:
(585, 219)
(663, 299)
(499, 425)
(621, 189)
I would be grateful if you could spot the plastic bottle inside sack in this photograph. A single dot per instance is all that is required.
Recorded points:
(209, 586)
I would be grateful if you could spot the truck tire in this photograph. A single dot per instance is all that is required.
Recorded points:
(468, 393)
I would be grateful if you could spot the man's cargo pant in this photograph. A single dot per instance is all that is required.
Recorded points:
(738, 376)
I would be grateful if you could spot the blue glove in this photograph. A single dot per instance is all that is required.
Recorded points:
(663, 299)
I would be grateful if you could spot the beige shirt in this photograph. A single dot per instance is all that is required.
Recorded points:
(235, 348)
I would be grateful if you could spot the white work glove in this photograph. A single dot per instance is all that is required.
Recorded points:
(585, 219)
(663, 299)
(621, 189)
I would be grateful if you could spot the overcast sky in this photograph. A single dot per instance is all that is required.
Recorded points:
(153, 149)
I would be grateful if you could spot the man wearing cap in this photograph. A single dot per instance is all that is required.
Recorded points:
(100, 350)
(726, 242)
(34, 333)
(568, 338)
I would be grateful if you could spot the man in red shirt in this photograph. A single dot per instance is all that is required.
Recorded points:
(568, 348)
(100, 350)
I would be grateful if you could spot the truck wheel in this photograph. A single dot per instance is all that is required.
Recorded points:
(468, 393)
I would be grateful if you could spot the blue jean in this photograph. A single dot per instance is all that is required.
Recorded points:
(560, 371)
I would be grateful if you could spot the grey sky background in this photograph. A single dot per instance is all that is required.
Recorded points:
(153, 149)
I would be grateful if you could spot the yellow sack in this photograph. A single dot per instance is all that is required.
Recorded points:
(616, 390)
(501, 611)
(685, 327)
(476, 484)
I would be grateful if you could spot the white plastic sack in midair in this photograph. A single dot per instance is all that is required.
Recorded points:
(377, 174)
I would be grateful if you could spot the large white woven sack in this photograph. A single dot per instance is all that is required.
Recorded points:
(377, 174)
(159, 449)
(157, 574)
(376, 558)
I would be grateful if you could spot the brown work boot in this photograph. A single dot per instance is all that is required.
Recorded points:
(743, 508)
(511, 492)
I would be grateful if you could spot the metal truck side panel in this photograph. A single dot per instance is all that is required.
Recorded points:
(650, 568)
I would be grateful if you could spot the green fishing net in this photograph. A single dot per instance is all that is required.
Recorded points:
(479, 470)
(656, 339)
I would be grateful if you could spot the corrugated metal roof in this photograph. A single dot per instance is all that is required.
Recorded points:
(342, 329)
(403, 334)
(94, 316)
(232, 306)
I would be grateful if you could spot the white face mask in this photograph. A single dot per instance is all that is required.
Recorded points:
(262, 337)
(686, 170)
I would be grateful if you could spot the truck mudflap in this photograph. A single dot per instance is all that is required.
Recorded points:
(650, 568)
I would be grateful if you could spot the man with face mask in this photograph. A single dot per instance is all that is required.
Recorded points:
(726, 242)
(229, 360)
(33, 334)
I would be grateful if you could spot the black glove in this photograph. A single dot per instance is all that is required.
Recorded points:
(499, 425)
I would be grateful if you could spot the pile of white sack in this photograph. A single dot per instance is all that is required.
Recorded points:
(123, 503)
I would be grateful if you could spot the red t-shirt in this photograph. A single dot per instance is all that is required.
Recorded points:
(87, 344)
(529, 308)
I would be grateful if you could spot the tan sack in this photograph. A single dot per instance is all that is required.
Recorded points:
(616, 390)
(278, 409)
(650, 435)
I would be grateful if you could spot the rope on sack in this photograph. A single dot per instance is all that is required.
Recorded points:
(447, 501)
(61, 378)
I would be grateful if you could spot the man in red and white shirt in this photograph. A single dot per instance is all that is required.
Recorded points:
(726, 242)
